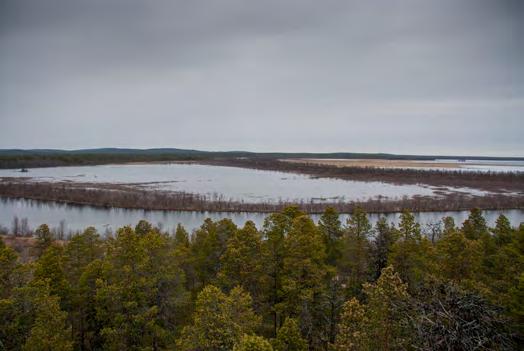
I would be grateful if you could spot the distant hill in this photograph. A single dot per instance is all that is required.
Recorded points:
(20, 158)
(175, 151)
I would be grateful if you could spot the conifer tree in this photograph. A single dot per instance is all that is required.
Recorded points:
(8, 266)
(503, 232)
(50, 266)
(141, 301)
(219, 320)
(49, 331)
(412, 254)
(185, 258)
(253, 343)
(517, 304)
(44, 238)
(209, 244)
(351, 329)
(386, 236)
(355, 262)
(241, 264)
(459, 257)
(331, 229)
(80, 252)
(31, 319)
(304, 267)
(289, 337)
(475, 226)
(275, 230)
(449, 225)
(181, 236)
(386, 326)
(143, 227)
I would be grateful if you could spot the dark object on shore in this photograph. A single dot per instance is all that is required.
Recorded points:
(24, 170)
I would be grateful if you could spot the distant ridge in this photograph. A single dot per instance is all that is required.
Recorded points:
(206, 154)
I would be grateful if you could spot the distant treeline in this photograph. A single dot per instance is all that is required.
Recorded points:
(291, 284)
(52, 160)
(14, 158)
(490, 181)
(121, 196)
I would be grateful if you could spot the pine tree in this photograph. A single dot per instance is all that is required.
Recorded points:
(305, 278)
(275, 230)
(517, 304)
(8, 267)
(31, 319)
(331, 229)
(44, 239)
(253, 343)
(460, 258)
(475, 226)
(50, 331)
(408, 227)
(502, 266)
(304, 267)
(384, 325)
(88, 328)
(351, 329)
(289, 337)
(449, 225)
(141, 301)
(143, 227)
(503, 232)
(355, 263)
(219, 320)
(80, 252)
(50, 266)
(181, 236)
(184, 257)
(209, 244)
(412, 254)
(386, 236)
(242, 263)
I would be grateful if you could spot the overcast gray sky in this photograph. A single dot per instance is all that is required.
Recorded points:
(400, 76)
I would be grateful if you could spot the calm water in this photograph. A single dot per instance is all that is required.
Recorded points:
(79, 217)
(226, 183)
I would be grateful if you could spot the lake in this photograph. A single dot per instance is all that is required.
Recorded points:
(79, 217)
(229, 183)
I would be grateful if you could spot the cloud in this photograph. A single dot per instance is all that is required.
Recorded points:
(395, 76)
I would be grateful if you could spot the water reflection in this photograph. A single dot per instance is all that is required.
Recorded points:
(109, 219)
(229, 183)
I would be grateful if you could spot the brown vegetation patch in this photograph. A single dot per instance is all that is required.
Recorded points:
(503, 183)
(124, 196)
(380, 163)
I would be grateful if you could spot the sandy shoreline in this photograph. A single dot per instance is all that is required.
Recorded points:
(380, 163)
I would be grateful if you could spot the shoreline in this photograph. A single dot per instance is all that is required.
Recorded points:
(501, 182)
(386, 212)
(126, 197)
(377, 163)
(491, 181)
(502, 191)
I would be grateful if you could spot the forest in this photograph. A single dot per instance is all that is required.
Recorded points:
(17, 158)
(290, 285)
